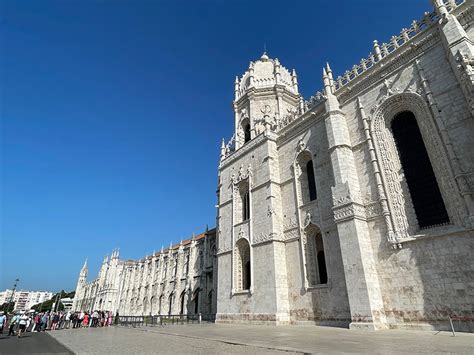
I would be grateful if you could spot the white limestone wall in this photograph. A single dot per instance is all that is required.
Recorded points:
(431, 277)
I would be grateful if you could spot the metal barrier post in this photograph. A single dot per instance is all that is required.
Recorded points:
(452, 327)
(200, 318)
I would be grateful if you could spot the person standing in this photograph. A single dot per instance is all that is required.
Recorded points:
(44, 321)
(12, 325)
(3, 320)
(23, 321)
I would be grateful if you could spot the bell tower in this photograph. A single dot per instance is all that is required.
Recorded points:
(264, 95)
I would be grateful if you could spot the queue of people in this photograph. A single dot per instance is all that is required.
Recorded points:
(21, 322)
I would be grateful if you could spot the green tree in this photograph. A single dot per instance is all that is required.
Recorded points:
(7, 307)
(48, 305)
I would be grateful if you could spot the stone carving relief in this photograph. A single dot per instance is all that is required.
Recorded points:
(262, 238)
(270, 211)
(242, 174)
(289, 223)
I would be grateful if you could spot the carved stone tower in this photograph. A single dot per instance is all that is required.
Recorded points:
(266, 93)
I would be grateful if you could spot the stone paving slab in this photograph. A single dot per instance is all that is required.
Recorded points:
(120, 340)
(238, 339)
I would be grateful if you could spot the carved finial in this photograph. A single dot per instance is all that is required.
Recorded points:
(377, 52)
(223, 150)
(441, 10)
(162, 248)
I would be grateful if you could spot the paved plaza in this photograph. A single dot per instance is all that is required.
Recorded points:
(250, 339)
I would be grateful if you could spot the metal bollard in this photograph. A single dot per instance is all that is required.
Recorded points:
(200, 318)
(452, 327)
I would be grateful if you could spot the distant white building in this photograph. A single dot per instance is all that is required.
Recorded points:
(24, 300)
(67, 303)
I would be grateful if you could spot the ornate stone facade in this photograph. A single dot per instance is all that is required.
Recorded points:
(335, 230)
(178, 280)
(319, 217)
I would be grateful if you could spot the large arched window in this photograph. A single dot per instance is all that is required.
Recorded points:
(315, 258)
(182, 299)
(424, 191)
(243, 266)
(196, 300)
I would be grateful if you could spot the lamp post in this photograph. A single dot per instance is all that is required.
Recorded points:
(13, 293)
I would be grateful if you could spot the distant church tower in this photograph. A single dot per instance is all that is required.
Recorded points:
(81, 282)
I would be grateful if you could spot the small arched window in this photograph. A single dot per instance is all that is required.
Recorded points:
(311, 180)
(160, 301)
(246, 128)
(243, 267)
(170, 306)
(244, 203)
(246, 206)
(421, 180)
(315, 257)
(306, 178)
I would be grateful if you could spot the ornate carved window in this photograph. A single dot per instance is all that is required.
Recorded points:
(316, 271)
(420, 178)
(243, 266)
(393, 146)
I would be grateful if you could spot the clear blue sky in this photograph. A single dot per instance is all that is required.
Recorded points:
(112, 113)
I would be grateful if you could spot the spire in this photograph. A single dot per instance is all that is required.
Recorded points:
(331, 100)
(236, 87)
(85, 265)
(331, 79)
